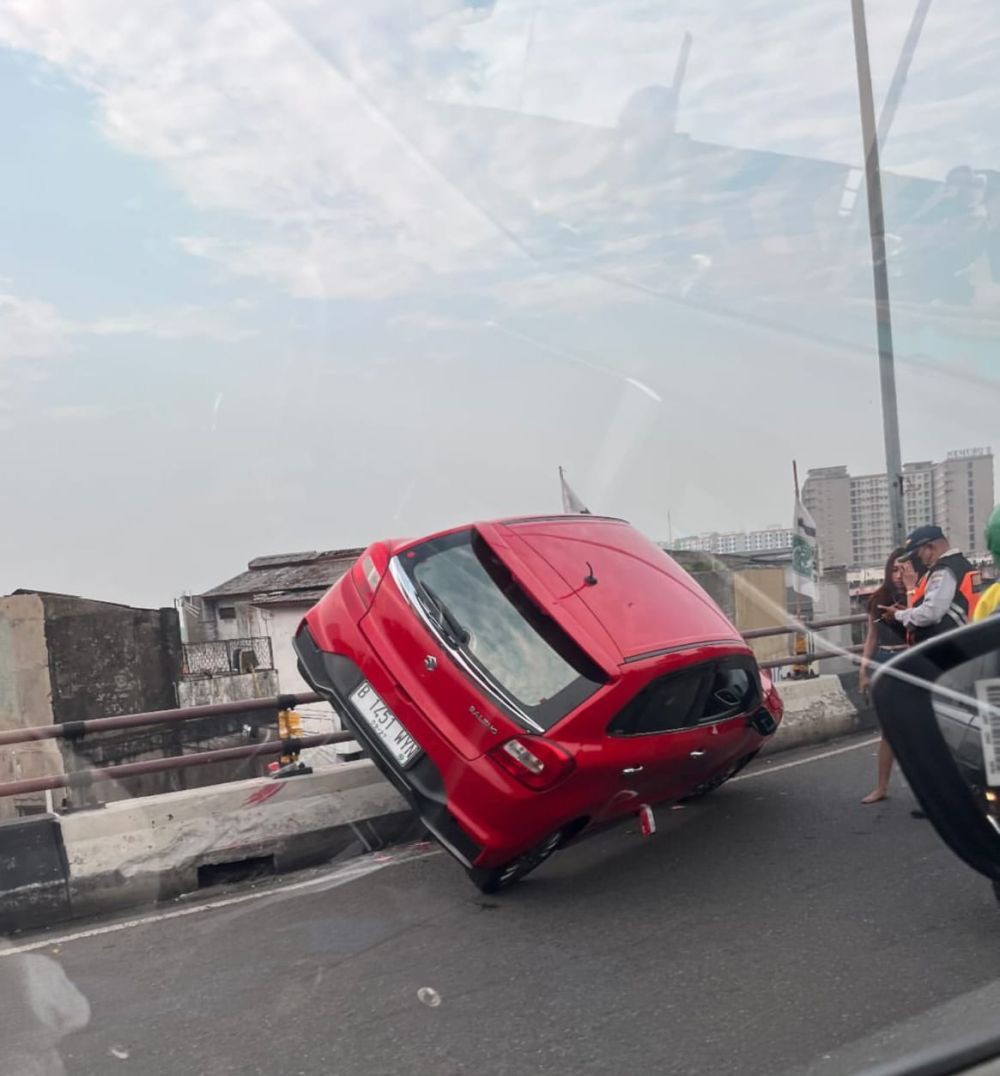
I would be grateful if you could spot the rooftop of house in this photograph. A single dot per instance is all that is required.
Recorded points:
(287, 576)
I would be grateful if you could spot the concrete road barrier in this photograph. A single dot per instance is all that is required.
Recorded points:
(815, 711)
(34, 888)
(154, 848)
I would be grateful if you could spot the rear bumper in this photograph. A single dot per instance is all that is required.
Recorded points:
(335, 676)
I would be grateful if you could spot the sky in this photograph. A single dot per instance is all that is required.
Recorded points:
(301, 275)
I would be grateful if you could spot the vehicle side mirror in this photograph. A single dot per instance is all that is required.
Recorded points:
(939, 707)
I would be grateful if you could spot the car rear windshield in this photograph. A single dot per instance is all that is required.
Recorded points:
(698, 695)
(489, 619)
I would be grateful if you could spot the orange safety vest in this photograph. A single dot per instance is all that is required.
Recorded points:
(970, 585)
(919, 590)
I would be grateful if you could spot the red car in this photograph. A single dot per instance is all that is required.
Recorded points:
(521, 681)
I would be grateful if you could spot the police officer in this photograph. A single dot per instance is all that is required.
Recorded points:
(947, 593)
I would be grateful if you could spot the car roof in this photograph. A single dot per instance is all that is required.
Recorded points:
(642, 599)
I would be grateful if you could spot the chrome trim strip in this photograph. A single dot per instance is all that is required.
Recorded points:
(406, 588)
(675, 649)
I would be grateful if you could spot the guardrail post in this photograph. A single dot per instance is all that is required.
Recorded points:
(290, 734)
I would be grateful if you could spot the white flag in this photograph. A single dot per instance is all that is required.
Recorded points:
(572, 505)
(805, 560)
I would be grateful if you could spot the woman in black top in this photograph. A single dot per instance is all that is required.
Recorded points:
(883, 642)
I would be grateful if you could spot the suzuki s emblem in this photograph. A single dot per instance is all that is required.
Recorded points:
(483, 720)
(430, 663)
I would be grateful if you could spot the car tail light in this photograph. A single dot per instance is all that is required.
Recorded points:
(772, 700)
(534, 761)
(369, 569)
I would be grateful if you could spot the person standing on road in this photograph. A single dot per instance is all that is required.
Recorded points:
(945, 597)
(989, 603)
(882, 643)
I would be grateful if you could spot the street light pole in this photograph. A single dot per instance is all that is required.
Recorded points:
(880, 273)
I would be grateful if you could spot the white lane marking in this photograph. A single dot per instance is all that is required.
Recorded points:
(331, 879)
(812, 758)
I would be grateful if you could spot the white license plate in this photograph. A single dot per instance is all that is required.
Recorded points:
(382, 721)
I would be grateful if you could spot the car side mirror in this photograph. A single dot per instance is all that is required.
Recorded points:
(939, 707)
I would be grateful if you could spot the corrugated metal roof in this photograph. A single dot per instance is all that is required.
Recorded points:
(284, 574)
(291, 597)
(280, 560)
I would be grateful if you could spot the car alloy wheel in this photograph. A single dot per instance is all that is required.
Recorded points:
(491, 880)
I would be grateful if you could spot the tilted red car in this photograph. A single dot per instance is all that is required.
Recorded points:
(520, 681)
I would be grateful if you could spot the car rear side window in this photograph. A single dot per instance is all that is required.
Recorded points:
(697, 695)
(734, 689)
(514, 644)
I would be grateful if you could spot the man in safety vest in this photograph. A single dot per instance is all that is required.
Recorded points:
(946, 595)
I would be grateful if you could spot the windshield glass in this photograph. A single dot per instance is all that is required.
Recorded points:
(520, 648)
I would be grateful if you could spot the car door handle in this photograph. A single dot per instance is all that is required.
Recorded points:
(698, 754)
(633, 769)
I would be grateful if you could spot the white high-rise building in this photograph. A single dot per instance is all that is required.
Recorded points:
(770, 538)
(852, 511)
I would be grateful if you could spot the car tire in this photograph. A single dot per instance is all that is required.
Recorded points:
(493, 879)
(703, 790)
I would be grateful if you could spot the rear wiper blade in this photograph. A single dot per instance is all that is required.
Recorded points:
(445, 618)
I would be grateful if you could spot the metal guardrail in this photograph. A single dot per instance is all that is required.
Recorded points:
(72, 730)
(806, 659)
(805, 628)
(86, 778)
(75, 729)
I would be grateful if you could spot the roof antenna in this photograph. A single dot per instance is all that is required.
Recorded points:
(590, 579)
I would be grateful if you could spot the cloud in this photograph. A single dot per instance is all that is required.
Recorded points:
(31, 329)
(181, 323)
(366, 151)
(769, 75)
(312, 266)
(314, 131)
(295, 136)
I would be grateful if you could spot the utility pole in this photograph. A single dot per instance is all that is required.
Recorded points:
(880, 273)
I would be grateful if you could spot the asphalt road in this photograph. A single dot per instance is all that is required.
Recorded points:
(777, 925)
